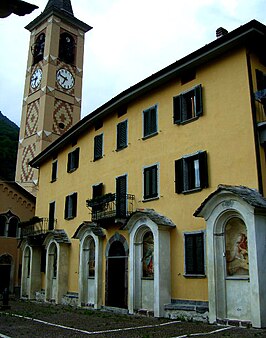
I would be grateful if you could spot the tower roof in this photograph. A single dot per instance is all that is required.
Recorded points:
(63, 5)
(63, 10)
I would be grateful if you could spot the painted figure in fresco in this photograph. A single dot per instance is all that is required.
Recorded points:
(237, 258)
(148, 250)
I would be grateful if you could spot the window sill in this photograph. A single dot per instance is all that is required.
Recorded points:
(147, 278)
(97, 159)
(54, 180)
(69, 218)
(72, 170)
(149, 136)
(245, 278)
(187, 121)
(121, 148)
(191, 191)
(150, 199)
(187, 275)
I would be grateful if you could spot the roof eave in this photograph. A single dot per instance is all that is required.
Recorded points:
(63, 15)
(205, 53)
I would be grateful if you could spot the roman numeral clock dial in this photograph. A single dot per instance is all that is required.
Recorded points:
(65, 78)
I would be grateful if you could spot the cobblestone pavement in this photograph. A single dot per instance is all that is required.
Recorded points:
(32, 319)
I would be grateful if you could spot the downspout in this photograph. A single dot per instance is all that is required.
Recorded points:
(255, 127)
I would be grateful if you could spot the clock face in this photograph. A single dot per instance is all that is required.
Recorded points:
(36, 78)
(64, 78)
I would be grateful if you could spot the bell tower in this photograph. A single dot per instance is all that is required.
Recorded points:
(53, 85)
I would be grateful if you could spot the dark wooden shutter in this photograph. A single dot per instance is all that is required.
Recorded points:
(122, 135)
(51, 215)
(98, 147)
(121, 196)
(177, 109)
(198, 95)
(179, 176)
(203, 167)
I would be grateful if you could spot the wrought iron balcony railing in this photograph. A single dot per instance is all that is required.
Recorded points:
(111, 206)
(37, 226)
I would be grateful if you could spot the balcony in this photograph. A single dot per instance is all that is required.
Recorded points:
(36, 227)
(111, 207)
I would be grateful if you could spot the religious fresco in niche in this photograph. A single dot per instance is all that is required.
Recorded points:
(148, 253)
(91, 262)
(236, 248)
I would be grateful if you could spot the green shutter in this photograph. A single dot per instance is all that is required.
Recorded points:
(121, 196)
(203, 165)
(179, 176)
(74, 204)
(177, 109)
(66, 207)
(51, 215)
(76, 158)
(122, 135)
(198, 95)
(199, 254)
(150, 121)
(189, 254)
(98, 146)
(69, 157)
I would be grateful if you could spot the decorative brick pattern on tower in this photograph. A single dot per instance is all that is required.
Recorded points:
(53, 85)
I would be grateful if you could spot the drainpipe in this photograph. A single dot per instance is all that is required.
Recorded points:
(255, 126)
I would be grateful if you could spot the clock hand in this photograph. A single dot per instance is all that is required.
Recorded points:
(63, 77)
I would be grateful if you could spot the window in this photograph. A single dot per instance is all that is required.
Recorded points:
(71, 206)
(73, 161)
(194, 253)
(98, 147)
(121, 139)
(121, 111)
(188, 105)
(8, 225)
(98, 124)
(12, 227)
(261, 80)
(38, 48)
(150, 121)
(51, 220)
(97, 190)
(191, 172)
(151, 182)
(54, 171)
(67, 48)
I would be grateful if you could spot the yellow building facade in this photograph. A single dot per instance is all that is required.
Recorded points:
(147, 197)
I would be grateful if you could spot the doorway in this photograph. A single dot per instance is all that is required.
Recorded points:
(116, 275)
(5, 271)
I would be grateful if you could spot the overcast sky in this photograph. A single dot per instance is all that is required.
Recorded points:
(130, 40)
